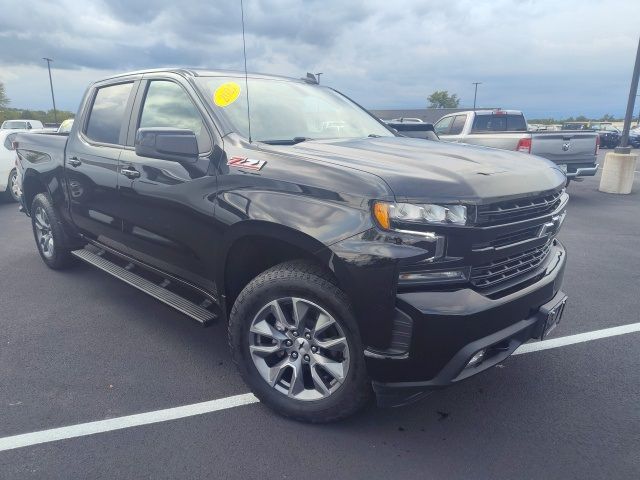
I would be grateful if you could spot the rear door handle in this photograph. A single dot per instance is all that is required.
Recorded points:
(130, 172)
(74, 161)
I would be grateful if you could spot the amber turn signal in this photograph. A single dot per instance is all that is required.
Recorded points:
(381, 214)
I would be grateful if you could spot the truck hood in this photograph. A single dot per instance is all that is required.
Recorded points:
(419, 170)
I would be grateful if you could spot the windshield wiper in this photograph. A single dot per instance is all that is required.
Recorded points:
(374, 135)
(291, 141)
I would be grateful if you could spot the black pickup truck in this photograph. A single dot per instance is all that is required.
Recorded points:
(342, 255)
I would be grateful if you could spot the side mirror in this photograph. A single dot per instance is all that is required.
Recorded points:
(174, 144)
(29, 127)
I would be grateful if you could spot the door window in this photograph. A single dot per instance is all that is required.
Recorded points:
(443, 125)
(107, 113)
(168, 105)
(458, 124)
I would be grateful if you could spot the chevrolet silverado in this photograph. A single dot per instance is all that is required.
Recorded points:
(346, 260)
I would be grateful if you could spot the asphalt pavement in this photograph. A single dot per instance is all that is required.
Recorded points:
(79, 346)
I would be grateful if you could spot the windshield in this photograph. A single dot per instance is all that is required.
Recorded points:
(286, 111)
(14, 125)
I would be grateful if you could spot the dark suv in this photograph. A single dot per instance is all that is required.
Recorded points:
(342, 255)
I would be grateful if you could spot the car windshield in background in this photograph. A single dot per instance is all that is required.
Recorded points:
(65, 127)
(13, 125)
(499, 123)
(288, 112)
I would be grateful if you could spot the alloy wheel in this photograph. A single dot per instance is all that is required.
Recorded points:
(16, 193)
(44, 235)
(299, 349)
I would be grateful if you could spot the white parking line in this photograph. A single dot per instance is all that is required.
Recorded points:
(118, 423)
(100, 426)
(578, 338)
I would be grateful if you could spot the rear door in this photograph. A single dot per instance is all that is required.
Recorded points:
(456, 129)
(167, 206)
(443, 126)
(91, 163)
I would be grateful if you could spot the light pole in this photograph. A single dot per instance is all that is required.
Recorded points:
(624, 141)
(318, 75)
(55, 113)
(475, 94)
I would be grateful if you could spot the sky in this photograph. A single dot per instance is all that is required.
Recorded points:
(547, 58)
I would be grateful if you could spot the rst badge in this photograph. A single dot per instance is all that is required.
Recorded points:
(248, 163)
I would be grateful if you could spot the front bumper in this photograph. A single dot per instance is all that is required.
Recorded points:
(449, 327)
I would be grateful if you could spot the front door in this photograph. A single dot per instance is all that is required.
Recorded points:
(92, 162)
(166, 207)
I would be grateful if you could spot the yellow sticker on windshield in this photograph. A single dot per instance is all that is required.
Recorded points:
(226, 94)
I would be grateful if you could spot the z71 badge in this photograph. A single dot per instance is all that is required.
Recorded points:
(244, 162)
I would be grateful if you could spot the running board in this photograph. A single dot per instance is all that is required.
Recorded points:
(158, 291)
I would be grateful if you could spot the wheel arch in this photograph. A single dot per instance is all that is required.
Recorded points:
(252, 247)
(32, 185)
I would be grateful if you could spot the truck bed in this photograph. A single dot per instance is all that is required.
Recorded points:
(40, 149)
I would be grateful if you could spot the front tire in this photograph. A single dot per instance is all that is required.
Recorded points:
(296, 344)
(48, 233)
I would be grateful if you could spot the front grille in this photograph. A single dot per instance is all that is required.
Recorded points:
(503, 269)
(515, 210)
(515, 237)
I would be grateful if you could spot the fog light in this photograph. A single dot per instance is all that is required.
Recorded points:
(476, 359)
(444, 276)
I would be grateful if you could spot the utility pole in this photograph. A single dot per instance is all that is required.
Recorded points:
(475, 94)
(318, 76)
(624, 141)
(55, 113)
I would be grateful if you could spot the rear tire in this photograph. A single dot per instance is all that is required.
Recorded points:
(13, 190)
(49, 234)
(8, 195)
(323, 333)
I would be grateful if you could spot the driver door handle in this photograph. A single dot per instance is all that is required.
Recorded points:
(74, 161)
(130, 172)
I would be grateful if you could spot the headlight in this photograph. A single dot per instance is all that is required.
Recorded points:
(389, 214)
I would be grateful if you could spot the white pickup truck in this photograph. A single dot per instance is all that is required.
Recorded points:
(574, 151)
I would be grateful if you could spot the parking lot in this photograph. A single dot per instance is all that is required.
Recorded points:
(80, 346)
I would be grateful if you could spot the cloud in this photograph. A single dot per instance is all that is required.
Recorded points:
(544, 57)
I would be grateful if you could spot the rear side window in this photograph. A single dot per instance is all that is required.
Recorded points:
(168, 105)
(458, 124)
(107, 113)
(443, 125)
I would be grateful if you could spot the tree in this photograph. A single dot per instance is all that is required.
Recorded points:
(4, 100)
(442, 99)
